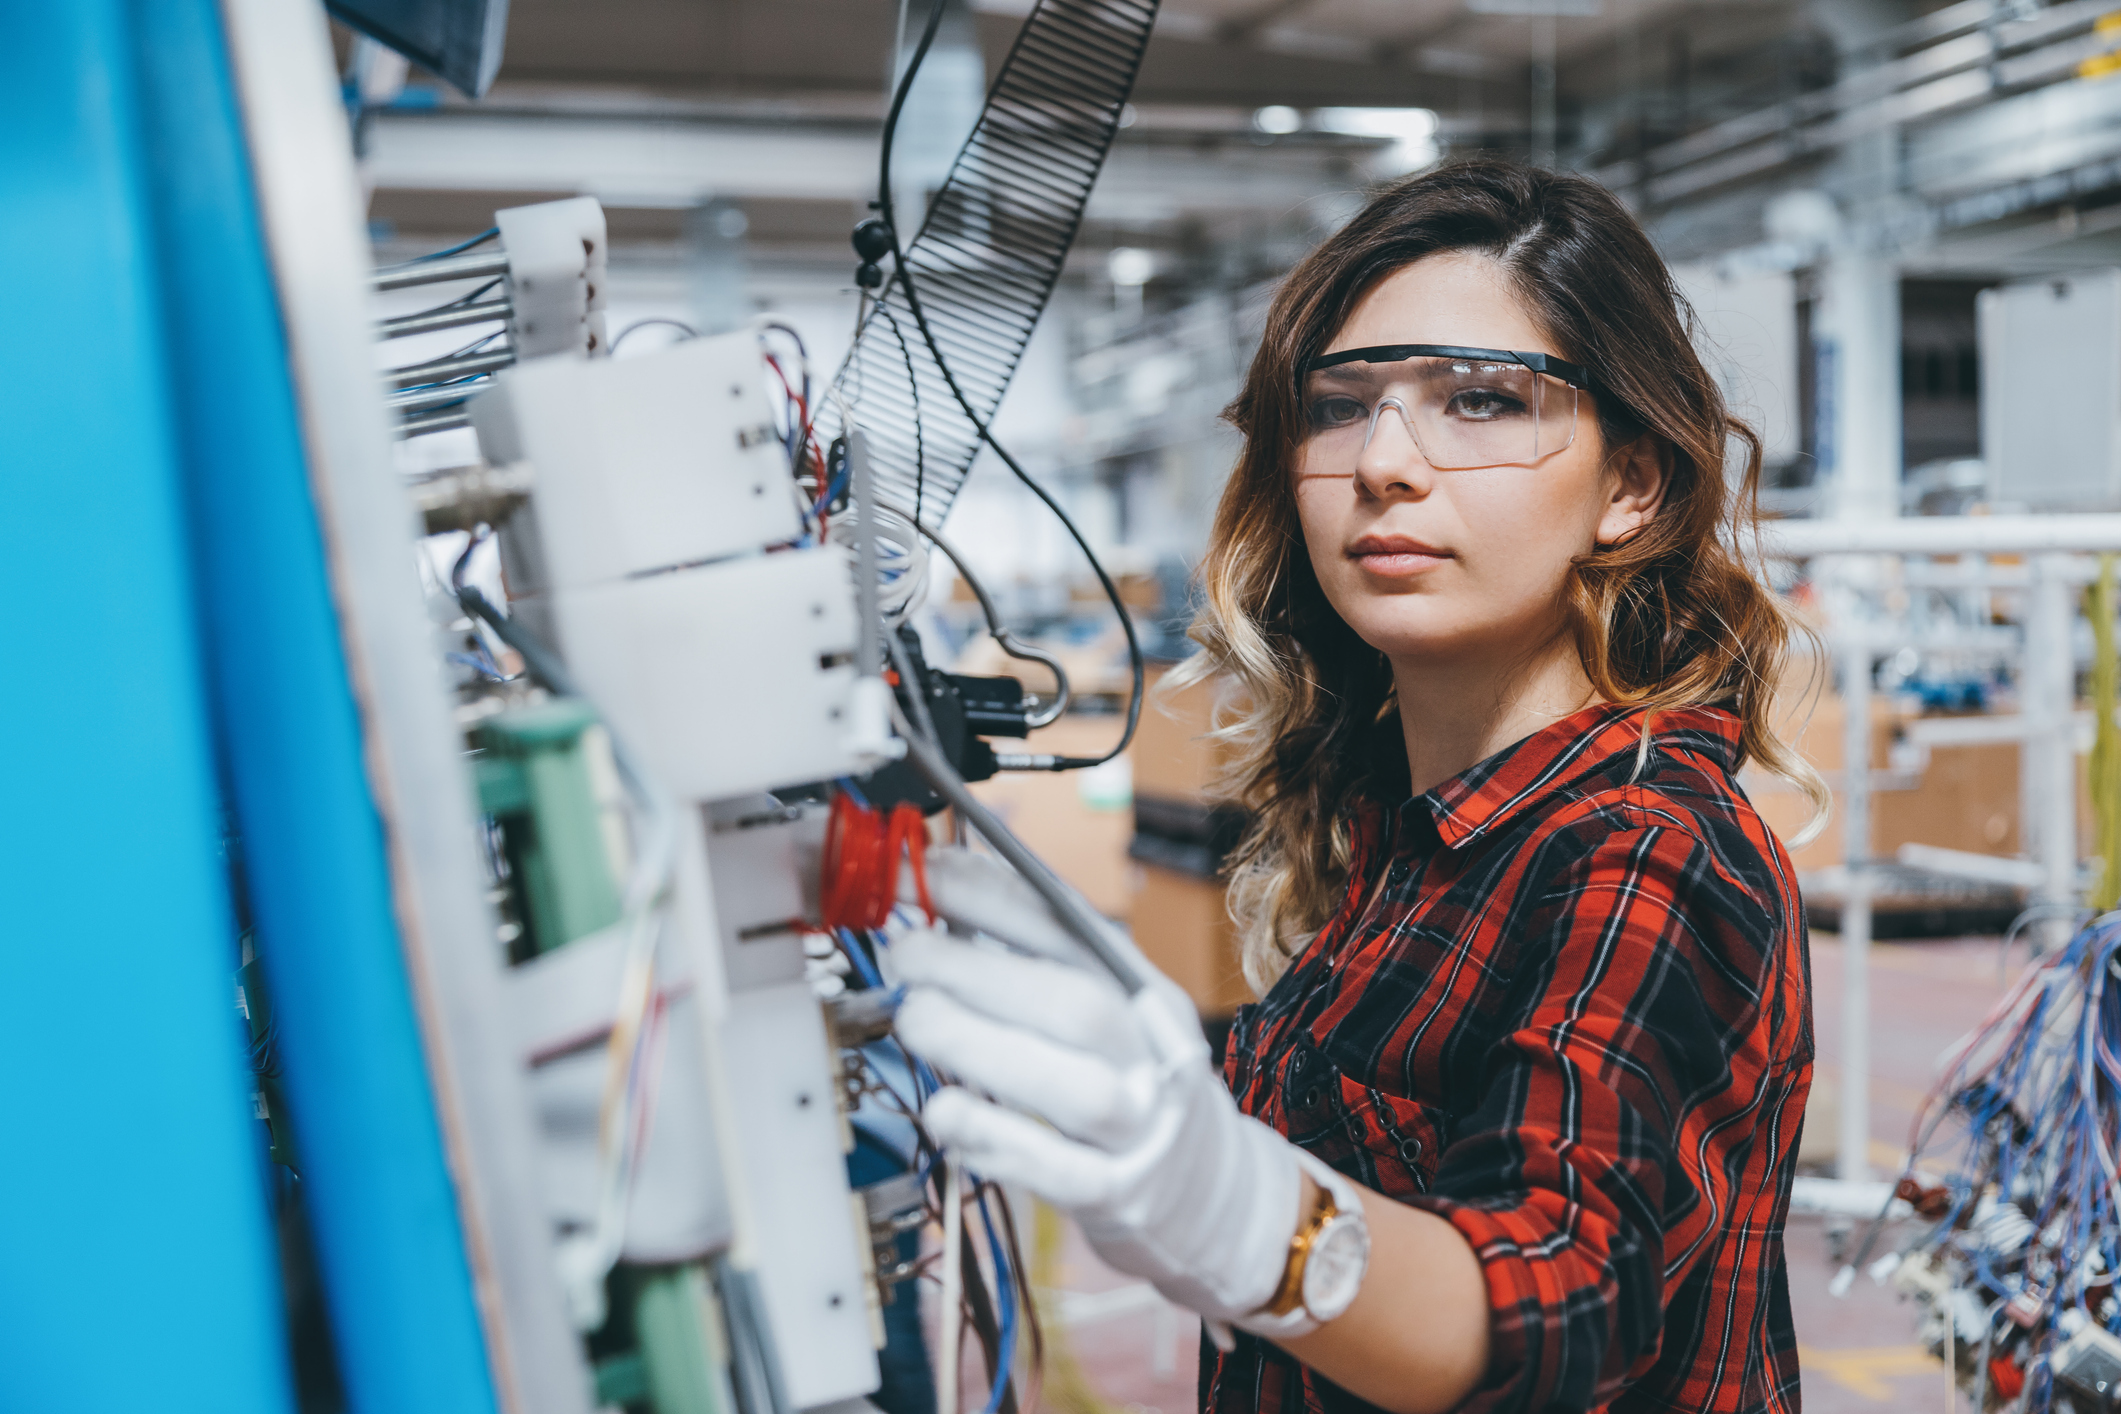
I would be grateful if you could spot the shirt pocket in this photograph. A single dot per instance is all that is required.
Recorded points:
(1386, 1142)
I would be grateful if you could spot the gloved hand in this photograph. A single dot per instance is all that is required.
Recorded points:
(1141, 1141)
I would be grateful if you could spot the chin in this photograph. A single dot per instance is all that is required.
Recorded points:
(1415, 628)
(1396, 633)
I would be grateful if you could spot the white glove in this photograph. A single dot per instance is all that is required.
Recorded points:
(1145, 1146)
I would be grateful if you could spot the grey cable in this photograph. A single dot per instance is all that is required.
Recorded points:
(1068, 906)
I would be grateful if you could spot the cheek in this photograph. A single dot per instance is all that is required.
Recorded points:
(1521, 518)
(1322, 507)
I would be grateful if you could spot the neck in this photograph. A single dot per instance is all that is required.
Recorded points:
(1458, 713)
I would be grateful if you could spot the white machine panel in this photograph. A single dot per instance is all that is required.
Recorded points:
(2051, 391)
(754, 856)
(555, 276)
(644, 463)
(563, 1004)
(809, 1263)
(726, 679)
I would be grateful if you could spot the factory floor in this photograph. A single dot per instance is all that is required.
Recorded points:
(1858, 1352)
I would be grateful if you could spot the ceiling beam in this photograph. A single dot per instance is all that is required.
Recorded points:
(658, 163)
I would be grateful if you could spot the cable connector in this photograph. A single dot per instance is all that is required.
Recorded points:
(1033, 761)
(869, 733)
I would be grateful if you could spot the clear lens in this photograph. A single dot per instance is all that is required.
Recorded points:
(1461, 413)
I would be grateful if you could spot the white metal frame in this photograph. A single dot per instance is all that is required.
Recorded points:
(2046, 725)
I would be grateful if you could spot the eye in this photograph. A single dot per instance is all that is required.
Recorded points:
(1484, 404)
(1335, 410)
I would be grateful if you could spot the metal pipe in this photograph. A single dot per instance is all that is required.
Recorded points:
(1941, 535)
(868, 651)
(444, 369)
(434, 272)
(448, 317)
(1965, 864)
(433, 422)
(418, 399)
(2048, 765)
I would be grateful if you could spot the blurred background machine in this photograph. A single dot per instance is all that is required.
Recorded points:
(318, 312)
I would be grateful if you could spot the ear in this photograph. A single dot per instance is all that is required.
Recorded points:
(1635, 481)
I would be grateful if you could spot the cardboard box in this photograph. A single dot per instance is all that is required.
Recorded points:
(1182, 924)
(1967, 797)
(1173, 758)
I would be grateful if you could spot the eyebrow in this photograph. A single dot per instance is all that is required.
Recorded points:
(1342, 373)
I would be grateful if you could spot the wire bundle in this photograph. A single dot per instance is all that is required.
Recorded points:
(2025, 1247)
(995, 1303)
(858, 875)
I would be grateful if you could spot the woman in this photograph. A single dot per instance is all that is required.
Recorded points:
(1515, 1118)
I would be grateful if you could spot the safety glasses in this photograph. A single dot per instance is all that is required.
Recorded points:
(1464, 408)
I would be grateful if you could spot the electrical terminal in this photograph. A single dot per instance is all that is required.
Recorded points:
(2089, 1368)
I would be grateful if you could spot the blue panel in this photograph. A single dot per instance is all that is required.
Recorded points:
(380, 1198)
(136, 1264)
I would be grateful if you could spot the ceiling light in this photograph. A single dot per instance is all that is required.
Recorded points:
(1277, 118)
(1130, 265)
(1412, 131)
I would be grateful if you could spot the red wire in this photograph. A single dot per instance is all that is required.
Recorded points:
(858, 883)
(805, 418)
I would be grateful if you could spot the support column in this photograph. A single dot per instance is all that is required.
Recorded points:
(1853, 1141)
(2048, 768)
(1858, 334)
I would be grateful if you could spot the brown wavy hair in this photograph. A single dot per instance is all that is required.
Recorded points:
(1673, 616)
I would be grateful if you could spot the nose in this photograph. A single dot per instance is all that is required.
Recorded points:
(1391, 463)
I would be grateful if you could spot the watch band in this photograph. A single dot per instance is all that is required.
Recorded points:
(1289, 1295)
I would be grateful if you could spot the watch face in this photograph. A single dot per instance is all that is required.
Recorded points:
(1334, 1270)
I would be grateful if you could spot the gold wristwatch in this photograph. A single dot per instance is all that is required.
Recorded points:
(1328, 1254)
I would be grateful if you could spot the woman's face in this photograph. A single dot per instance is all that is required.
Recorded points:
(1469, 563)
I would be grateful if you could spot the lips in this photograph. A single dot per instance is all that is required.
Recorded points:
(1396, 556)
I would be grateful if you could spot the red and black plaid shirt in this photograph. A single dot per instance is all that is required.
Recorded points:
(1576, 1023)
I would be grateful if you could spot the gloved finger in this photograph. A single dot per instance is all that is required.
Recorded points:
(979, 893)
(1075, 1008)
(998, 1144)
(1081, 1094)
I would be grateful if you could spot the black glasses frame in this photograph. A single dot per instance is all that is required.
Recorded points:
(1573, 374)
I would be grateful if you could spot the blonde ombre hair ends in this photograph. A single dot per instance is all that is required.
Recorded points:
(1674, 616)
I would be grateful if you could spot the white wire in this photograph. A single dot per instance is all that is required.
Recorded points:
(588, 1257)
(901, 560)
(902, 564)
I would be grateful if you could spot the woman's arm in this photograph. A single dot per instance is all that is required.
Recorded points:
(1416, 1339)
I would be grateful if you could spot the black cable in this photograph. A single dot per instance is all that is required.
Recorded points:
(467, 299)
(689, 331)
(898, 104)
(540, 662)
(920, 443)
(886, 210)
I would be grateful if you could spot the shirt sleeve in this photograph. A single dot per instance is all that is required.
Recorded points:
(1614, 1114)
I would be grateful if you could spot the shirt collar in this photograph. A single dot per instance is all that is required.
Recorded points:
(1555, 757)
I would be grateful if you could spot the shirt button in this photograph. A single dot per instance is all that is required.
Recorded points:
(1399, 872)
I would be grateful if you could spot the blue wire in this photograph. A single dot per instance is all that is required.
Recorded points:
(1005, 1294)
(846, 783)
(859, 958)
(479, 239)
